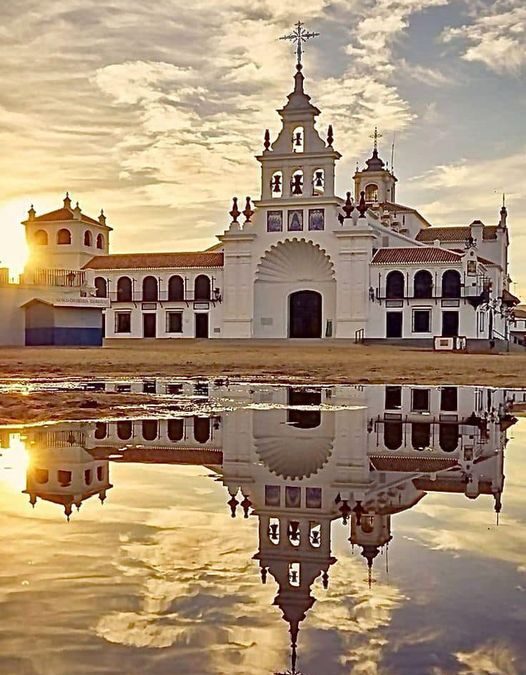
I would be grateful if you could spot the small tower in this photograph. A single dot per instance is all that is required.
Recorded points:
(66, 238)
(376, 181)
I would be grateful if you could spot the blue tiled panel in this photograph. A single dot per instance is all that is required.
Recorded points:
(65, 337)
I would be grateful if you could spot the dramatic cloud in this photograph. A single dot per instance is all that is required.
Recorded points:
(496, 37)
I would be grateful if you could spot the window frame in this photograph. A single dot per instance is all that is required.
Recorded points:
(169, 314)
(422, 310)
(118, 315)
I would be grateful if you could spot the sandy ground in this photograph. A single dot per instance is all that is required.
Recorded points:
(320, 362)
(272, 361)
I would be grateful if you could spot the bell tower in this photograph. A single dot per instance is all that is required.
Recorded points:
(376, 181)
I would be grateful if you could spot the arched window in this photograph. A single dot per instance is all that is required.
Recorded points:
(101, 430)
(393, 435)
(296, 183)
(176, 288)
(150, 289)
(395, 284)
(202, 429)
(202, 287)
(100, 473)
(298, 139)
(63, 237)
(451, 284)
(423, 284)
(124, 430)
(149, 430)
(448, 437)
(100, 241)
(124, 289)
(88, 238)
(40, 238)
(371, 193)
(101, 287)
(41, 476)
(318, 182)
(176, 430)
(420, 435)
(88, 477)
(276, 184)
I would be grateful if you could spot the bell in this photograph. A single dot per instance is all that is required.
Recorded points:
(318, 179)
(297, 139)
(297, 185)
(276, 184)
(293, 577)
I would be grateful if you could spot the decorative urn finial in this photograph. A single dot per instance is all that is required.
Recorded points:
(266, 143)
(248, 212)
(362, 206)
(330, 136)
(235, 212)
(67, 201)
(102, 217)
(348, 207)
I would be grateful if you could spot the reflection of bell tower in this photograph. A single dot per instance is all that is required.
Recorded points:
(376, 181)
(296, 551)
(63, 472)
(371, 531)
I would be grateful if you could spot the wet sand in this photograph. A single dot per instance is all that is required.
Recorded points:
(275, 361)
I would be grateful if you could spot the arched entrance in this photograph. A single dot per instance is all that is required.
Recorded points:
(305, 314)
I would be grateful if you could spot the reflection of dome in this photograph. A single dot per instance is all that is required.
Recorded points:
(294, 457)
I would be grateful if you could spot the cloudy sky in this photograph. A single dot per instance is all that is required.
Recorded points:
(155, 113)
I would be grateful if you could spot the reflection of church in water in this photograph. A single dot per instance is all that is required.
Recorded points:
(298, 459)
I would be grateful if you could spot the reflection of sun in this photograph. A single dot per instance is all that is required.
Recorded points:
(14, 249)
(14, 462)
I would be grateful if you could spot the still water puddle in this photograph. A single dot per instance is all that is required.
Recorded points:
(268, 529)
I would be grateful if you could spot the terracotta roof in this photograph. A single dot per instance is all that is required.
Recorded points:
(157, 455)
(509, 298)
(128, 261)
(412, 464)
(449, 485)
(520, 312)
(454, 233)
(414, 254)
(63, 214)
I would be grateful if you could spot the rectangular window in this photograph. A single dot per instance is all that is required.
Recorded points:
(274, 221)
(295, 220)
(482, 322)
(393, 398)
(272, 495)
(313, 498)
(421, 321)
(123, 322)
(316, 219)
(420, 400)
(292, 497)
(174, 322)
(449, 399)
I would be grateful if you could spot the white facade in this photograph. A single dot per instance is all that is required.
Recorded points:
(300, 262)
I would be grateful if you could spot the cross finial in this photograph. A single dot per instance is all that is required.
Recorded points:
(298, 36)
(375, 136)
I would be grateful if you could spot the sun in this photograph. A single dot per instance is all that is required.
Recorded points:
(14, 251)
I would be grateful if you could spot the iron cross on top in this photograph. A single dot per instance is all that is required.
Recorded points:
(299, 35)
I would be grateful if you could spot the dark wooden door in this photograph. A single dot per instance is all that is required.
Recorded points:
(201, 325)
(305, 315)
(449, 324)
(149, 324)
(393, 325)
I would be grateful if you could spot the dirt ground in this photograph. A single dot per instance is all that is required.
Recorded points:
(319, 362)
(272, 361)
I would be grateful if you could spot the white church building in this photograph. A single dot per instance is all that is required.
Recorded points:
(299, 262)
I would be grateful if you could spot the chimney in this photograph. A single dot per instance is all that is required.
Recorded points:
(67, 201)
(476, 230)
(77, 212)
(102, 217)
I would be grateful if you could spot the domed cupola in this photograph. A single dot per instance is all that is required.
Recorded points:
(376, 180)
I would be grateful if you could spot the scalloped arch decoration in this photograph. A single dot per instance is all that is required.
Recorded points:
(295, 260)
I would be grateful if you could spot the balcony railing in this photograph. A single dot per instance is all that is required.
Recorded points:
(465, 293)
(189, 297)
(60, 278)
